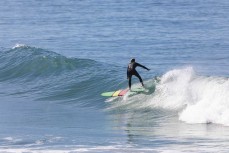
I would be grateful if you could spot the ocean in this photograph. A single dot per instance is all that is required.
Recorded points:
(57, 57)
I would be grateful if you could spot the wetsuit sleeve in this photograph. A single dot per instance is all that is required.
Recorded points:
(142, 66)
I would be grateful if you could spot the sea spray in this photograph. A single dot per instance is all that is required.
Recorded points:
(172, 92)
(211, 102)
(198, 99)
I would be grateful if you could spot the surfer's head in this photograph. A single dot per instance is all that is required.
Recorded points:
(132, 60)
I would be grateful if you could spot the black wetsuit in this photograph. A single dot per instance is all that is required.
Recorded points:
(132, 71)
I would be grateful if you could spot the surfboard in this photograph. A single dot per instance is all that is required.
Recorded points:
(122, 92)
(117, 93)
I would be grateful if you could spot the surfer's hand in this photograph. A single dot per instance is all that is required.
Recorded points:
(148, 69)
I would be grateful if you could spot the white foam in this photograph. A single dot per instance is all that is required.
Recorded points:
(197, 99)
(200, 99)
(81, 149)
(8, 139)
(18, 46)
(173, 90)
(211, 102)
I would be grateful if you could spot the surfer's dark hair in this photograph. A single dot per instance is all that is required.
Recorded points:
(132, 60)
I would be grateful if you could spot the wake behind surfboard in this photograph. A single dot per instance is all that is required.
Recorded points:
(122, 92)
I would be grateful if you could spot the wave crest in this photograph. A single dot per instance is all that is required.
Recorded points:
(22, 61)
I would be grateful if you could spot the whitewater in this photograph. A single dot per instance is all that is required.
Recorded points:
(197, 99)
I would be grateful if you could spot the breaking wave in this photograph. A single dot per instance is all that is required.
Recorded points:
(196, 99)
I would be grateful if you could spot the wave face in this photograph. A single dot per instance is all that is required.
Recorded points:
(24, 61)
(51, 76)
(197, 99)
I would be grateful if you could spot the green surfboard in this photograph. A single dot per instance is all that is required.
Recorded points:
(122, 92)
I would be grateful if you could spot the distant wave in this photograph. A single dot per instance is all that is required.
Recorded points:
(24, 61)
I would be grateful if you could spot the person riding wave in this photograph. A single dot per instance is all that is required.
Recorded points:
(131, 70)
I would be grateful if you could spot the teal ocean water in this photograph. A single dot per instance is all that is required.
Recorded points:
(56, 58)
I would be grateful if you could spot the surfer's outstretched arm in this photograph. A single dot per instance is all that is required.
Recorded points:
(142, 66)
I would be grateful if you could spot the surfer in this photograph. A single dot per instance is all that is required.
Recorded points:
(131, 71)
